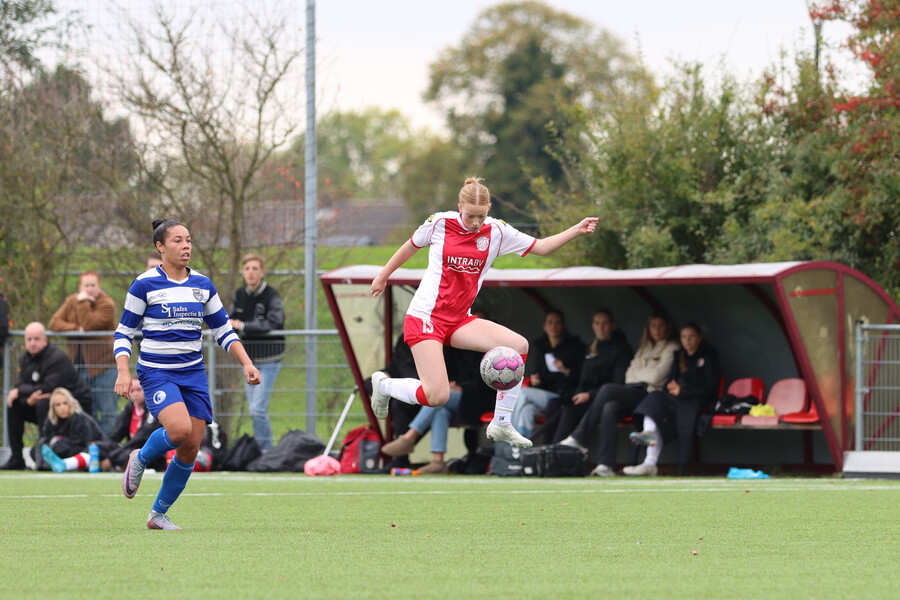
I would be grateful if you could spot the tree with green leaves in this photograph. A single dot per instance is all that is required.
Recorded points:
(360, 154)
(27, 26)
(503, 86)
(662, 175)
(62, 163)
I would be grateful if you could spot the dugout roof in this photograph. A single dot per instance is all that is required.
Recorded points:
(768, 320)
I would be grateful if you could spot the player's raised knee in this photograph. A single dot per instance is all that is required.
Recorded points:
(520, 345)
(438, 397)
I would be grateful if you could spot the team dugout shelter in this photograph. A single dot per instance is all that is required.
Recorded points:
(767, 320)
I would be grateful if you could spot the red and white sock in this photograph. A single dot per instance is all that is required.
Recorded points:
(405, 389)
(79, 462)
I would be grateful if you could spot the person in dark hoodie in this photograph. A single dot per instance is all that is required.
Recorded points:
(553, 368)
(607, 359)
(693, 384)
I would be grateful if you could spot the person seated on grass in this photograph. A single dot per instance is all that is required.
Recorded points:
(132, 428)
(647, 372)
(693, 385)
(43, 367)
(67, 433)
(469, 399)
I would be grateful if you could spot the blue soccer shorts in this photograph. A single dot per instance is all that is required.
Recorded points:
(164, 387)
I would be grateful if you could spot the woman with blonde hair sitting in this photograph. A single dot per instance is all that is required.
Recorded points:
(67, 433)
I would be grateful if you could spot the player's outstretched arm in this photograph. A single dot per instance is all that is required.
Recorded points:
(546, 245)
(403, 254)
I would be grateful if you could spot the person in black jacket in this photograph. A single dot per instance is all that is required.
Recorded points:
(256, 309)
(553, 367)
(42, 368)
(66, 434)
(607, 360)
(132, 428)
(693, 385)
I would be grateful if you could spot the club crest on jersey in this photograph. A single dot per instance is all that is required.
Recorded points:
(482, 243)
(159, 397)
(198, 295)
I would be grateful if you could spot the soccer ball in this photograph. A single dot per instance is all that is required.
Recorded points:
(502, 368)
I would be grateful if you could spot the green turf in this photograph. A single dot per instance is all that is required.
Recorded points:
(74, 536)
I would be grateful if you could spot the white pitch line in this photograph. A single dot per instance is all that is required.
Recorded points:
(423, 492)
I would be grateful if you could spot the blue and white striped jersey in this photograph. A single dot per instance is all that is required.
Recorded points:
(173, 313)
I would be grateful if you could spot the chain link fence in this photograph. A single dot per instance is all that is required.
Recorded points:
(292, 405)
(877, 388)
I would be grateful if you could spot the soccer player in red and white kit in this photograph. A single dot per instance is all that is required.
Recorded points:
(463, 244)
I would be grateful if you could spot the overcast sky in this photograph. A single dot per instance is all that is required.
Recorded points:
(377, 52)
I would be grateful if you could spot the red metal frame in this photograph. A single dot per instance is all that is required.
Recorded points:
(765, 274)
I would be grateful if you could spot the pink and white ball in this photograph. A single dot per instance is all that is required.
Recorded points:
(502, 368)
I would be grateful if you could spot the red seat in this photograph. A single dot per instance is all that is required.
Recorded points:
(741, 388)
(786, 396)
(747, 386)
(803, 418)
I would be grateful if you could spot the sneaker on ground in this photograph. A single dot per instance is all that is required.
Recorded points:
(52, 458)
(380, 400)
(507, 433)
(131, 478)
(402, 445)
(643, 438)
(573, 443)
(643, 470)
(161, 521)
(602, 471)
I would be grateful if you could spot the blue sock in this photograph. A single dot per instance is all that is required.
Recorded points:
(157, 444)
(173, 484)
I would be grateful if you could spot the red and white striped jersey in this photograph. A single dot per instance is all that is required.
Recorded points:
(458, 261)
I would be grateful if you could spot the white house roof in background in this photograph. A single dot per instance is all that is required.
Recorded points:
(576, 276)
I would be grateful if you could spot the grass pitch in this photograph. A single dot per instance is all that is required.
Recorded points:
(75, 536)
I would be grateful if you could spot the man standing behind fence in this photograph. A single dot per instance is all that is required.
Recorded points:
(255, 311)
(92, 309)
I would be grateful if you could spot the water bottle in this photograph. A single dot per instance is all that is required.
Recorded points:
(395, 471)
(94, 462)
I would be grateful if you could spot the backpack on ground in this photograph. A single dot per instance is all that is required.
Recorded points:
(506, 462)
(242, 452)
(290, 454)
(215, 443)
(360, 451)
(473, 463)
(555, 460)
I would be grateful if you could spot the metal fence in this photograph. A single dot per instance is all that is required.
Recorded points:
(293, 403)
(877, 388)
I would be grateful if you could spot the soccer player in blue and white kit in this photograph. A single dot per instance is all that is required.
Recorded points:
(173, 302)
